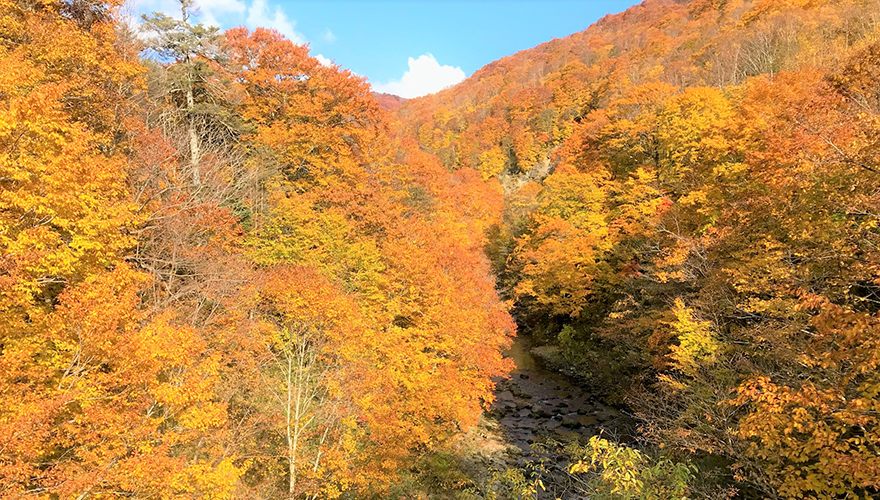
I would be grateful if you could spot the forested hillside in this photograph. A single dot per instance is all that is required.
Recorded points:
(220, 277)
(691, 226)
(229, 271)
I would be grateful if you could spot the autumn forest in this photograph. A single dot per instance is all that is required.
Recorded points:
(230, 271)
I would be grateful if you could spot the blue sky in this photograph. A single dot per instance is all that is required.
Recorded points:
(404, 47)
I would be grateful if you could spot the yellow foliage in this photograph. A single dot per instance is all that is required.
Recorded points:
(697, 345)
(492, 162)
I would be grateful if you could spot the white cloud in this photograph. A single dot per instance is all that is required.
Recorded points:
(259, 15)
(424, 76)
(207, 11)
(221, 7)
(228, 13)
(323, 60)
(210, 10)
(328, 36)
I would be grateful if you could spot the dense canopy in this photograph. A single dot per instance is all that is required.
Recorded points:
(229, 271)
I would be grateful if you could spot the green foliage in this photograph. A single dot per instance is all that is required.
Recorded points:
(622, 473)
(178, 40)
(441, 474)
(514, 483)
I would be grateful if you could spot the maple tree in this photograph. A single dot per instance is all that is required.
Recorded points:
(91, 378)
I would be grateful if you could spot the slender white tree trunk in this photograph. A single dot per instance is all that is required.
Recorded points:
(291, 433)
(195, 151)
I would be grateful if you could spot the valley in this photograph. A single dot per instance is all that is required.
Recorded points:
(637, 262)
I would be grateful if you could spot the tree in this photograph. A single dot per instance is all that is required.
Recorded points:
(562, 256)
(191, 49)
(99, 393)
(306, 327)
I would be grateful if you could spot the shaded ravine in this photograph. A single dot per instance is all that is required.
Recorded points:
(535, 404)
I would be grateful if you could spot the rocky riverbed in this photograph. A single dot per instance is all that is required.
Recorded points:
(535, 404)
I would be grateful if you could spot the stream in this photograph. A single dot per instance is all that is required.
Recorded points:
(536, 403)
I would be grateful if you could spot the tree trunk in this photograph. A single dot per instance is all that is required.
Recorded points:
(195, 152)
(291, 438)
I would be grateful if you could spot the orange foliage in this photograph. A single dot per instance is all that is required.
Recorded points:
(163, 290)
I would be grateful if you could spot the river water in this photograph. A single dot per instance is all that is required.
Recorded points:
(536, 403)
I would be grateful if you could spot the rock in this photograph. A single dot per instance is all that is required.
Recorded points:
(568, 435)
(577, 403)
(504, 396)
(523, 376)
(570, 420)
(588, 420)
(540, 412)
(608, 414)
(520, 394)
(509, 422)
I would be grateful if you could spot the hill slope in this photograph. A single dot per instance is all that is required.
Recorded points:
(520, 108)
(692, 226)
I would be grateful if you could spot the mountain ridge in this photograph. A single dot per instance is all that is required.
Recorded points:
(706, 42)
